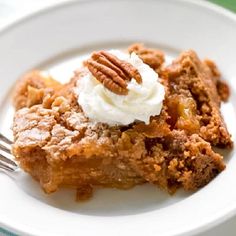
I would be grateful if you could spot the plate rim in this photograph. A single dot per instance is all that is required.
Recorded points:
(21, 19)
(10, 25)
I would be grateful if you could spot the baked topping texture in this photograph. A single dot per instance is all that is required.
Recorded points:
(56, 144)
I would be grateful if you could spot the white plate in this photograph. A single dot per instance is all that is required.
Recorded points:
(62, 35)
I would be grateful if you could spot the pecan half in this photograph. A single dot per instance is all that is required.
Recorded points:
(112, 72)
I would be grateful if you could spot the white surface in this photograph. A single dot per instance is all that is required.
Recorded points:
(25, 208)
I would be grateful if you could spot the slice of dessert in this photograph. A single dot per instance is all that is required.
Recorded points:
(112, 125)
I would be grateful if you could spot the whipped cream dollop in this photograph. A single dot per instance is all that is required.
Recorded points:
(142, 101)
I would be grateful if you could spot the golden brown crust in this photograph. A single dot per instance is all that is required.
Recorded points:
(31, 89)
(221, 86)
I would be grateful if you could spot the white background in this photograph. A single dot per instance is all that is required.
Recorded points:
(10, 10)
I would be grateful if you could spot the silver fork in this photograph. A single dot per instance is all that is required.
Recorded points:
(7, 162)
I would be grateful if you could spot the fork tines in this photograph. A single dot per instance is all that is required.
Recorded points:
(6, 159)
